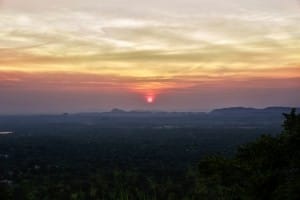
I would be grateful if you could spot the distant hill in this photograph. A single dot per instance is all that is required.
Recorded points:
(250, 111)
(245, 118)
(117, 110)
(221, 111)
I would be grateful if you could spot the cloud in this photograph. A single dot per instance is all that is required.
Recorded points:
(156, 52)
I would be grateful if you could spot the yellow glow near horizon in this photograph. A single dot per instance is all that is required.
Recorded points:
(154, 53)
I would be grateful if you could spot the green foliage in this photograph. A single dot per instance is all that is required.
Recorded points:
(268, 168)
(265, 169)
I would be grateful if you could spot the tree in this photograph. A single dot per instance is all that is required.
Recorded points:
(268, 168)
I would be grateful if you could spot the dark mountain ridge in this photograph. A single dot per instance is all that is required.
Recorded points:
(249, 110)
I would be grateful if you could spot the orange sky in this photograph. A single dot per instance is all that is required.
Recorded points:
(112, 55)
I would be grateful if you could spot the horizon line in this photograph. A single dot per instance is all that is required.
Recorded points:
(201, 110)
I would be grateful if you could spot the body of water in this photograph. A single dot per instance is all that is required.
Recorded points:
(5, 132)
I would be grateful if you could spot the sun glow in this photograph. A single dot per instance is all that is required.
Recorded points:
(150, 99)
(210, 50)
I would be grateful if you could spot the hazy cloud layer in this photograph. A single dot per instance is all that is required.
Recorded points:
(149, 48)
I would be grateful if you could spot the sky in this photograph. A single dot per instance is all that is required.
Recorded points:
(192, 55)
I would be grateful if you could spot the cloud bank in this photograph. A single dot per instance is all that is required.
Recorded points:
(155, 48)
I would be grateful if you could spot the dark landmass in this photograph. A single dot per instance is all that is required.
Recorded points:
(237, 117)
(147, 154)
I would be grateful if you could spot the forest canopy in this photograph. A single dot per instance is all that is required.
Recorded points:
(267, 168)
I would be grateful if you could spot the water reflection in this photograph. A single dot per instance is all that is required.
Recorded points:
(5, 132)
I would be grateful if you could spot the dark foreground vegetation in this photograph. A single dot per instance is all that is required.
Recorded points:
(75, 161)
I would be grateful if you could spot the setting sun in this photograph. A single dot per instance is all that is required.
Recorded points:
(160, 99)
(150, 99)
(204, 54)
